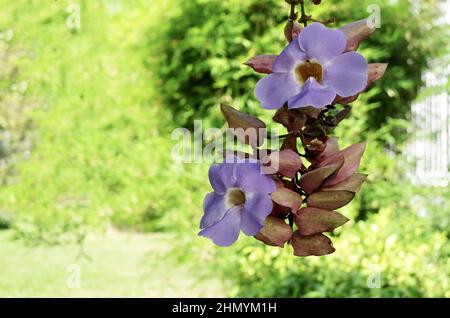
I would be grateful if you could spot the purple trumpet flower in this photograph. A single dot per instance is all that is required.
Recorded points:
(312, 70)
(240, 201)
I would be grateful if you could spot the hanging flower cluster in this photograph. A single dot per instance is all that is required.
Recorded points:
(289, 195)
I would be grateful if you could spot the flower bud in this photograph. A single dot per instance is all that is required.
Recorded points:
(292, 30)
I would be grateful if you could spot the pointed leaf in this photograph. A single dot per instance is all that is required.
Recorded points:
(289, 163)
(376, 71)
(353, 183)
(246, 128)
(286, 162)
(355, 33)
(316, 245)
(343, 114)
(275, 232)
(330, 150)
(330, 200)
(312, 180)
(314, 221)
(345, 100)
(352, 155)
(262, 63)
(292, 119)
(279, 210)
(288, 198)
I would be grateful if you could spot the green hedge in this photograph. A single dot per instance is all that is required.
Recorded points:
(393, 254)
(204, 44)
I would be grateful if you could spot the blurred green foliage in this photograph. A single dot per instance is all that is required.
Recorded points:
(206, 43)
(101, 153)
(203, 46)
(87, 145)
(408, 39)
(394, 254)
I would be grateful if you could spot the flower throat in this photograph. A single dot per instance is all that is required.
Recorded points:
(307, 69)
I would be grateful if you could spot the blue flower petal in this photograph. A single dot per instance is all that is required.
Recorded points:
(250, 178)
(275, 89)
(288, 58)
(313, 94)
(321, 43)
(258, 206)
(226, 231)
(347, 74)
(214, 209)
(220, 177)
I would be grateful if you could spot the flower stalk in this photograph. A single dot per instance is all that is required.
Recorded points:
(304, 17)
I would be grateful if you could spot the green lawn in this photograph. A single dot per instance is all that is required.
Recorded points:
(118, 265)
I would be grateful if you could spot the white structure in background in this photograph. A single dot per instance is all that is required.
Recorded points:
(429, 147)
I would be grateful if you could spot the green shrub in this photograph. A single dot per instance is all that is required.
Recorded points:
(5, 220)
(392, 254)
(202, 47)
(204, 44)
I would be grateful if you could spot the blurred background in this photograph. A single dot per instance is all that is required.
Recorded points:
(91, 203)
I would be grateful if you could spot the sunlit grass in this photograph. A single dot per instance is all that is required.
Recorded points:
(116, 265)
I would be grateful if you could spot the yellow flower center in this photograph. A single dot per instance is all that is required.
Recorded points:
(307, 69)
(234, 197)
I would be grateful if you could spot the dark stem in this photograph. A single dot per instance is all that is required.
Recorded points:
(292, 16)
(304, 17)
